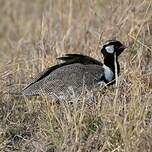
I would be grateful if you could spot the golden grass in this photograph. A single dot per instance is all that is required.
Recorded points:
(33, 34)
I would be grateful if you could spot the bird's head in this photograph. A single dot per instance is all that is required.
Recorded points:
(111, 47)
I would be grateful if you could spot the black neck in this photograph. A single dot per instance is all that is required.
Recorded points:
(110, 62)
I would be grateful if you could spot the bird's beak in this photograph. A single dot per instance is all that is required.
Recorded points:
(123, 47)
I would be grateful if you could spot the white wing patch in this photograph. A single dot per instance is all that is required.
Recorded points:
(108, 73)
(110, 48)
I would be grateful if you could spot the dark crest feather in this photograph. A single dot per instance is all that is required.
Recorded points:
(79, 58)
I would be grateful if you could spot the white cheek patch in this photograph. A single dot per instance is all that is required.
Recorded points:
(110, 49)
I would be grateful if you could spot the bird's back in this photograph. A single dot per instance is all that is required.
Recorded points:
(67, 80)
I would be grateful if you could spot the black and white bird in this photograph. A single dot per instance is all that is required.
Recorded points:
(76, 72)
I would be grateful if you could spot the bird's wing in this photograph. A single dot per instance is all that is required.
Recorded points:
(79, 58)
(59, 80)
(69, 59)
(73, 77)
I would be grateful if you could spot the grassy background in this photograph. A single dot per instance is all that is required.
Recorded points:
(33, 33)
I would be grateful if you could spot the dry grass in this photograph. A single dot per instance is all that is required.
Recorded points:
(33, 34)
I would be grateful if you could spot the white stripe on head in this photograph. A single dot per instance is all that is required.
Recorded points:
(110, 48)
(108, 73)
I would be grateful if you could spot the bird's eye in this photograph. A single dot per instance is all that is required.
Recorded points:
(110, 49)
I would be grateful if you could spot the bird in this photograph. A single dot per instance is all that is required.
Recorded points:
(77, 72)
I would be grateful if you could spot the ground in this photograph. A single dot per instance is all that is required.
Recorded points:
(33, 34)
